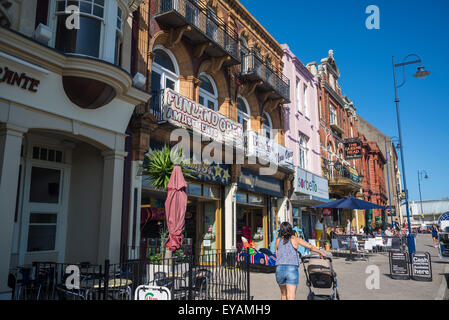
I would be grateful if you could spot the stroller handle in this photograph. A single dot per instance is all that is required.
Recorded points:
(307, 258)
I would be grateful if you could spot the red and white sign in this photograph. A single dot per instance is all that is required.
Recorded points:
(327, 212)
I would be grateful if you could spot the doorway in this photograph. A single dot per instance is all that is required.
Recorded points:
(43, 222)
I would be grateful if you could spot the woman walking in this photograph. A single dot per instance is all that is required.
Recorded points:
(287, 275)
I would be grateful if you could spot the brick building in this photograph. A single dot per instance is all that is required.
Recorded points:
(217, 57)
(338, 121)
(373, 184)
(392, 176)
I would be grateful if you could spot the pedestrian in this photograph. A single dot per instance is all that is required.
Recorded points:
(333, 233)
(287, 275)
(388, 232)
(348, 226)
(435, 236)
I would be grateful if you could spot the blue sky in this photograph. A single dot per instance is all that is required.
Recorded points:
(364, 58)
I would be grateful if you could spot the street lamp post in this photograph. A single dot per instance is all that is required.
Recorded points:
(388, 179)
(421, 73)
(420, 177)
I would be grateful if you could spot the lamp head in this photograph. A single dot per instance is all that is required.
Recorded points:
(421, 73)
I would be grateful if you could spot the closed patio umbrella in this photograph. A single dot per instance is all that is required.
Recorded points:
(175, 209)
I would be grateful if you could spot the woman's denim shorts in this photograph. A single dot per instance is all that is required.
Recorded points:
(287, 274)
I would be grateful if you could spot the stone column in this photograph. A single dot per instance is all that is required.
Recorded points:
(10, 147)
(230, 211)
(283, 212)
(111, 206)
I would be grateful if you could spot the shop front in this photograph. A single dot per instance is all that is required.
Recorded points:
(258, 200)
(203, 219)
(309, 190)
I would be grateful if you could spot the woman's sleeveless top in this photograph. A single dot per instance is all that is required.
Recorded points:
(287, 254)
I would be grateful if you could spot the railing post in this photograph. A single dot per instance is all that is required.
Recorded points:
(106, 279)
(247, 275)
(191, 262)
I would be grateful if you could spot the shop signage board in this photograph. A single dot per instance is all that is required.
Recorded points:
(327, 212)
(421, 269)
(152, 293)
(353, 148)
(311, 184)
(185, 113)
(399, 266)
(213, 173)
(254, 182)
(268, 150)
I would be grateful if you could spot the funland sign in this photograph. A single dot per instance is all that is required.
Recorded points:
(185, 113)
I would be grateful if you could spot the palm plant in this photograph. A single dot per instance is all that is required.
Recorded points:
(158, 166)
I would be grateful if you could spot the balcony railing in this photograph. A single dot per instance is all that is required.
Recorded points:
(253, 69)
(206, 26)
(344, 173)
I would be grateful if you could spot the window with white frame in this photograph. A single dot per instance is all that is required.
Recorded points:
(119, 38)
(298, 95)
(164, 75)
(304, 97)
(87, 39)
(303, 151)
(98, 19)
(243, 116)
(333, 114)
(208, 95)
(267, 126)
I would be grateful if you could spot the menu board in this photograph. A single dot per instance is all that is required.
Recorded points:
(421, 266)
(399, 266)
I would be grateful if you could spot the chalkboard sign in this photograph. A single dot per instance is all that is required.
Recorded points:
(399, 266)
(421, 266)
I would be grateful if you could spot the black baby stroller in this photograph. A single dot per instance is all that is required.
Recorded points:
(320, 274)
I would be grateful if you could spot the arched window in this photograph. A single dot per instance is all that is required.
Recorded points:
(208, 95)
(164, 75)
(164, 71)
(267, 126)
(244, 53)
(243, 116)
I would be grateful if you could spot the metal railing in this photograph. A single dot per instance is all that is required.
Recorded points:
(251, 63)
(205, 20)
(156, 104)
(215, 275)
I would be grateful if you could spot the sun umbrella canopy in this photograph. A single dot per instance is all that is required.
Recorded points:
(175, 209)
(350, 203)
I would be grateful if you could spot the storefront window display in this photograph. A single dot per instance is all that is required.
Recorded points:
(250, 219)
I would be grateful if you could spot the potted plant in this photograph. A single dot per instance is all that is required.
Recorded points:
(158, 166)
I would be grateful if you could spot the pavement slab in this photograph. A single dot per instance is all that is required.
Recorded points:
(352, 276)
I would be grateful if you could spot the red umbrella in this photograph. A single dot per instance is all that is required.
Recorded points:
(175, 209)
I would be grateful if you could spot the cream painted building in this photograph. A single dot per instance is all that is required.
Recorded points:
(66, 99)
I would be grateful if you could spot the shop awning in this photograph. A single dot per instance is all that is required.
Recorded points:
(307, 200)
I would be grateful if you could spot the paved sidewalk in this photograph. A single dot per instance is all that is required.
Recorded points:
(351, 278)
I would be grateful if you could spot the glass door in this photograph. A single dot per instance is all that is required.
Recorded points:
(43, 219)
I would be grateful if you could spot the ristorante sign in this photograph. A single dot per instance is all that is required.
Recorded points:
(183, 112)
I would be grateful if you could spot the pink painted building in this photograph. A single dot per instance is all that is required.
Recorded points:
(301, 115)
(302, 135)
